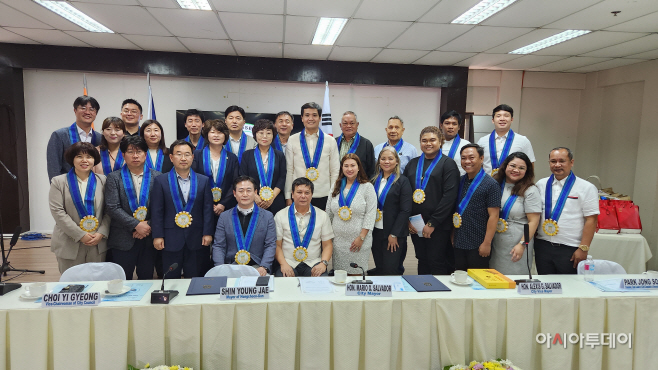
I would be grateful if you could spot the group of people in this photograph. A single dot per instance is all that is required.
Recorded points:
(289, 204)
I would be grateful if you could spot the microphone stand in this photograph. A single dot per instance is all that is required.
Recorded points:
(163, 296)
(363, 281)
(526, 235)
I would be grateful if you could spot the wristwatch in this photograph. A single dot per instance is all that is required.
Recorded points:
(326, 263)
(393, 236)
(429, 223)
(584, 247)
(362, 238)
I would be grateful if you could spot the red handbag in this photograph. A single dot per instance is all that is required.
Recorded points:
(628, 215)
(608, 223)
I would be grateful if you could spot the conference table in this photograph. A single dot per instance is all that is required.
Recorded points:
(292, 330)
(631, 251)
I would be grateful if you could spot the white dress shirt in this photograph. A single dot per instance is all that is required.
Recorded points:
(137, 182)
(235, 144)
(583, 201)
(84, 137)
(328, 167)
(184, 184)
(520, 144)
(445, 149)
(322, 232)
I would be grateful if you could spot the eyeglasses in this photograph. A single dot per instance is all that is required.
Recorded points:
(134, 152)
(184, 155)
(520, 168)
(265, 133)
(134, 111)
(87, 109)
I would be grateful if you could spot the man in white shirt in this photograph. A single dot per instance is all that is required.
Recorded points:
(284, 123)
(323, 171)
(394, 130)
(238, 141)
(450, 124)
(502, 118)
(564, 237)
(297, 255)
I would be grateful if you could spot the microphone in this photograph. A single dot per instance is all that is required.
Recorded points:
(13, 177)
(171, 268)
(526, 240)
(14, 238)
(363, 281)
(163, 296)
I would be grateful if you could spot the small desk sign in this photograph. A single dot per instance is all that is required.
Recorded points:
(369, 290)
(641, 283)
(83, 299)
(244, 292)
(539, 288)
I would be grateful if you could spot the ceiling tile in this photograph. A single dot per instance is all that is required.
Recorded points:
(300, 30)
(190, 23)
(111, 2)
(443, 58)
(9, 17)
(619, 62)
(131, 20)
(42, 14)
(569, 63)
(103, 40)
(48, 37)
(481, 38)
(524, 40)
(589, 42)
(398, 56)
(322, 8)
(366, 33)
(258, 49)
(171, 4)
(6, 36)
(317, 52)
(648, 55)
(205, 46)
(249, 6)
(529, 61)
(428, 36)
(598, 16)
(447, 10)
(350, 54)
(648, 23)
(536, 13)
(157, 43)
(394, 10)
(486, 60)
(624, 49)
(253, 27)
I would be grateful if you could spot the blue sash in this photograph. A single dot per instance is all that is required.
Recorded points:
(347, 201)
(461, 206)
(455, 146)
(84, 207)
(294, 229)
(507, 207)
(74, 137)
(495, 161)
(421, 182)
(397, 147)
(199, 144)
(241, 148)
(176, 194)
(318, 149)
(277, 144)
(158, 160)
(355, 144)
(244, 241)
(215, 181)
(105, 160)
(561, 200)
(265, 178)
(382, 198)
(134, 201)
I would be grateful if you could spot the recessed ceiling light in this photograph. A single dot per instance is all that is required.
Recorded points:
(550, 41)
(482, 10)
(194, 4)
(67, 11)
(328, 30)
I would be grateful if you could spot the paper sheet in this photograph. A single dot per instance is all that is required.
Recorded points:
(613, 285)
(313, 285)
(418, 223)
(397, 283)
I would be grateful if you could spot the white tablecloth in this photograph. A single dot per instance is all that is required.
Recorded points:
(331, 331)
(629, 250)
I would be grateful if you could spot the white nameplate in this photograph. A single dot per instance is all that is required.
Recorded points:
(244, 292)
(369, 290)
(539, 288)
(641, 283)
(71, 299)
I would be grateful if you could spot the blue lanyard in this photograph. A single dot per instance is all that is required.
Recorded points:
(199, 145)
(294, 229)
(241, 147)
(244, 240)
(397, 146)
(507, 207)
(342, 201)
(176, 195)
(158, 160)
(277, 143)
(561, 200)
(421, 182)
(461, 206)
(84, 207)
(355, 144)
(382, 198)
(105, 160)
(129, 187)
(495, 161)
(265, 178)
(215, 181)
(455, 146)
(318, 150)
(74, 137)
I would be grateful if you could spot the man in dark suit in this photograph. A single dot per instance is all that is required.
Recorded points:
(127, 198)
(85, 109)
(255, 222)
(181, 215)
(351, 142)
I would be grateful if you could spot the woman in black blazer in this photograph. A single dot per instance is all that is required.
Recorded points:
(393, 211)
(264, 131)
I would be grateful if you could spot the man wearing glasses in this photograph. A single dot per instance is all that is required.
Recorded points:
(352, 142)
(131, 114)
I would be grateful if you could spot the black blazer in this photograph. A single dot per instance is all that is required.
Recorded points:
(227, 183)
(440, 194)
(248, 168)
(397, 208)
(366, 153)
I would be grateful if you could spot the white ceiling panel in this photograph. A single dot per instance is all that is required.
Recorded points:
(443, 58)
(253, 27)
(171, 4)
(648, 55)
(112, 2)
(42, 14)
(9, 17)
(447, 10)
(569, 63)
(249, 6)
(190, 23)
(206, 46)
(486, 60)
(589, 42)
(322, 8)
(6, 36)
(398, 56)
(394, 10)
(103, 40)
(529, 61)
(482, 38)
(157, 43)
(350, 54)
(428, 36)
(523, 40)
(132, 20)
(648, 23)
(536, 13)
(619, 62)
(259, 49)
(317, 52)
(636, 46)
(366, 33)
(50, 37)
(300, 30)
(598, 16)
